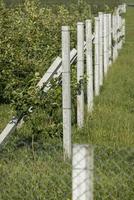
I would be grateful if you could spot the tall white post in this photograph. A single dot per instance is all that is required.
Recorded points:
(82, 174)
(117, 31)
(106, 50)
(101, 18)
(121, 32)
(115, 21)
(97, 69)
(124, 7)
(114, 36)
(124, 29)
(110, 38)
(107, 38)
(89, 65)
(113, 39)
(66, 91)
(80, 73)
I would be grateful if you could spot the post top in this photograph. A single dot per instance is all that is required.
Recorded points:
(96, 18)
(100, 13)
(88, 20)
(65, 28)
(105, 14)
(80, 23)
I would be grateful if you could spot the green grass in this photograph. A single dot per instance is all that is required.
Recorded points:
(32, 170)
(112, 122)
(113, 173)
(29, 174)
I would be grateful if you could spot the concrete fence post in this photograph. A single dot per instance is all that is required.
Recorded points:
(124, 7)
(117, 30)
(97, 57)
(82, 172)
(106, 51)
(121, 32)
(107, 39)
(89, 65)
(114, 36)
(124, 29)
(66, 91)
(110, 38)
(101, 18)
(80, 74)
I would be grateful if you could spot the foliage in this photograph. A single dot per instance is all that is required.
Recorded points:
(111, 3)
(30, 39)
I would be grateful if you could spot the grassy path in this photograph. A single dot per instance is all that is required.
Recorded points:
(112, 121)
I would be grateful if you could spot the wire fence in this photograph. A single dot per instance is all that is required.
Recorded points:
(113, 173)
(45, 174)
(41, 174)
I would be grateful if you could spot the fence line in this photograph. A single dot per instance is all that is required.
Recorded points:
(114, 29)
(102, 61)
(113, 26)
(101, 47)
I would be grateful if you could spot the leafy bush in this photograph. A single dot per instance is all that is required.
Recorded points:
(30, 39)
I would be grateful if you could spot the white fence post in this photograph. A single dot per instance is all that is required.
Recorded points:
(106, 52)
(117, 27)
(101, 47)
(82, 174)
(89, 64)
(110, 38)
(66, 91)
(124, 7)
(117, 33)
(114, 36)
(121, 32)
(97, 69)
(107, 23)
(124, 29)
(80, 73)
